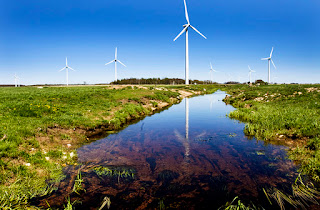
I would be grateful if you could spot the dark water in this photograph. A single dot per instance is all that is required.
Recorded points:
(190, 156)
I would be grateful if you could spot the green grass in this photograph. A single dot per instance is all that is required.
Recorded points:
(36, 125)
(282, 112)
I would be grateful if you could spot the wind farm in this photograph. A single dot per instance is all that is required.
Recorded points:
(181, 123)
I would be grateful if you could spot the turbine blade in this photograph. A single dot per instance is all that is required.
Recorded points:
(271, 52)
(63, 69)
(186, 11)
(198, 31)
(71, 68)
(121, 63)
(210, 65)
(249, 67)
(116, 53)
(273, 64)
(110, 62)
(264, 59)
(180, 33)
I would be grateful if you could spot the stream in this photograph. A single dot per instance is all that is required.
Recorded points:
(191, 156)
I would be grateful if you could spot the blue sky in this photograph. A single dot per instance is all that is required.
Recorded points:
(37, 35)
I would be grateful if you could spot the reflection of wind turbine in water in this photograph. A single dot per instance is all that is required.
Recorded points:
(185, 139)
(187, 119)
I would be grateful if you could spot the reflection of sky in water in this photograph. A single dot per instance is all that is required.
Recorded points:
(216, 148)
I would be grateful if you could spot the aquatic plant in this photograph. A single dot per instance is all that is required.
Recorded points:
(106, 202)
(77, 187)
(70, 205)
(237, 204)
(302, 195)
(166, 176)
(161, 205)
(115, 172)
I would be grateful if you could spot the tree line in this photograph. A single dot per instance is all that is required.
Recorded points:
(164, 81)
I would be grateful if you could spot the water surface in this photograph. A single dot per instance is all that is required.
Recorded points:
(189, 156)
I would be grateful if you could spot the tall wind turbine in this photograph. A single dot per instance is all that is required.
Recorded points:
(115, 64)
(186, 27)
(269, 59)
(211, 71)
(250, 72)
(67, 70)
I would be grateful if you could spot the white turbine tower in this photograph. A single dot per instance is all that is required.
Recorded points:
(115, 64)
(250, 72)
(186, 27)
(67, 70)
(212, 71)
(269, 59)
(16, 81)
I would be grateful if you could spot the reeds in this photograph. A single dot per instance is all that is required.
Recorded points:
(302, 195)
(77, 187)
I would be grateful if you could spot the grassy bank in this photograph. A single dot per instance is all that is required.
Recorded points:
(41, 128)
(282, 113)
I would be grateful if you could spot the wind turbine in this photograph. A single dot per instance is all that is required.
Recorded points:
(16, 80)
(186, 27)
(211, 71)
(269, 59)
(250, 72)
(67, 70)
(115, 64)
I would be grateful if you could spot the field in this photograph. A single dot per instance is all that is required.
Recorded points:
(282, 114)
(41, 128)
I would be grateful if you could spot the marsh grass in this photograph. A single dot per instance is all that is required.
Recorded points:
(77, 187)
(115, 172)
(282, 112)
(70, 205)
(303, 193)
(237, 204)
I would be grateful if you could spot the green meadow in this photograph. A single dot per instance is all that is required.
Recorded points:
(284, 114)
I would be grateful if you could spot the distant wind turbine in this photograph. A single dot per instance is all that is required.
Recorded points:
(211, 71)
(186, 27)
(16, 81)
(115, 64)
(250, 72)
(269, 59)
(67, 70)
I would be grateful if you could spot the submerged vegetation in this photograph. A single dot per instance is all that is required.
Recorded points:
(283, 113)
(302, 194)
(41, 128)
(237, 204)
